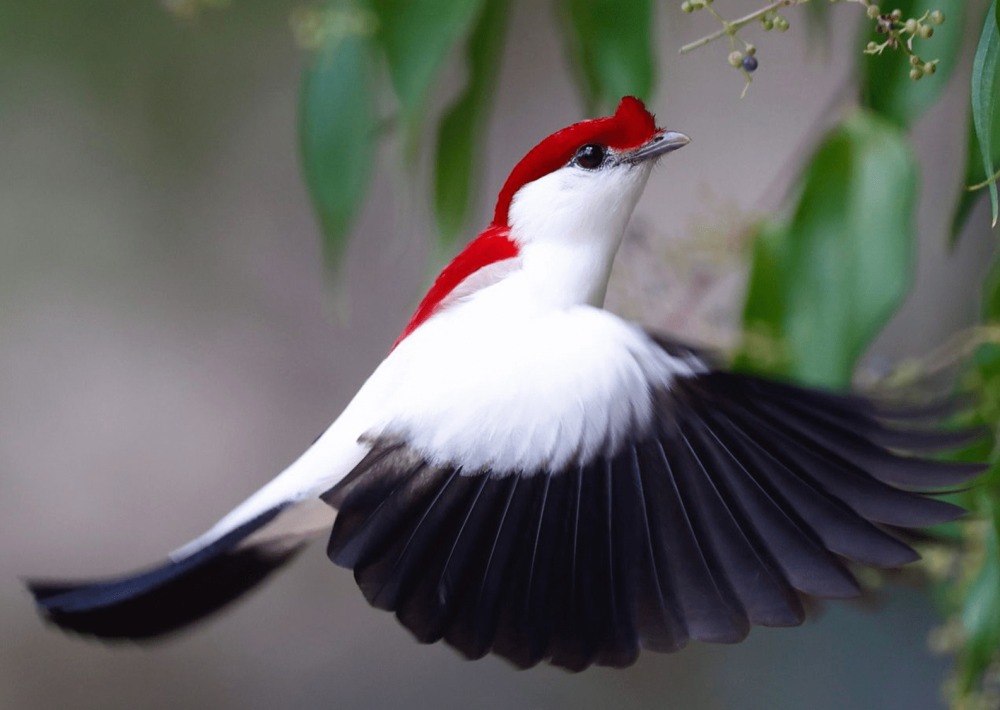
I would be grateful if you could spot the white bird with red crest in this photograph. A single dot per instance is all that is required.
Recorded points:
(530, 475)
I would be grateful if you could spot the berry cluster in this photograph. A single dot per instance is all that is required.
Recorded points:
(900, 34)
(773, 21)
(744, 59)
(747, 60)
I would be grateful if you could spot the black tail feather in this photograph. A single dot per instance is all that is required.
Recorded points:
(166, 598)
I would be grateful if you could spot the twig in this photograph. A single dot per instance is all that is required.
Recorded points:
(730, 28)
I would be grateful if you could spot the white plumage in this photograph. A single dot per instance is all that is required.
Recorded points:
(520, 370)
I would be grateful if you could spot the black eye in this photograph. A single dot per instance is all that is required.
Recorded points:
(590, 156)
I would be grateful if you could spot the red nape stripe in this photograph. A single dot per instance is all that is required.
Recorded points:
(491, 246)
(631, 126)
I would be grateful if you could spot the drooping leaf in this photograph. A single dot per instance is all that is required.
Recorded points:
(611, 45)
(823, 284)
(416, 37)
(886, 86)
(337, 122)
(985, 107)
(461, 129)
(974, 175)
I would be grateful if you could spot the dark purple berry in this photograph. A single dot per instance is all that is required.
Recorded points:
(749, 63)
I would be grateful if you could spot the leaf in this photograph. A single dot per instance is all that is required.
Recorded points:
(985, 86)
(337, 133)
(611, 44)
(416, 37)
(980, 611)
(764, 311)
(974, 175)
(886, 86)
(460, 132)
(981, 614)
(823, 284)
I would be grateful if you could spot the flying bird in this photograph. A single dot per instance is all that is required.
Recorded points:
(530, 475)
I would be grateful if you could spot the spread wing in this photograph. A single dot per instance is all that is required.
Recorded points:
(743, 496)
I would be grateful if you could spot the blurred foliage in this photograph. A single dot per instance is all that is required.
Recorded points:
(415, 39)
(970, 587)
(985, 107)
(610, 44)
(983, 154)
(824, 281)
(337, 130)
(461, 130)
(885, 81)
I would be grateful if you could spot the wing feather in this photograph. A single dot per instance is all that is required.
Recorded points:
(739, 503)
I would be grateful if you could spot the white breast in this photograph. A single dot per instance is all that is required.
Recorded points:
(503, 386)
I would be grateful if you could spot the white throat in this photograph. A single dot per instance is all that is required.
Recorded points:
(569, 225)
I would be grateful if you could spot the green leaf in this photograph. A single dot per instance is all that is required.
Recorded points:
(611, 44)
(980, 610)
(886, 86)
(460, 132)
(824, 283)
(981, 613)
(974, 175)
(416, 37)
(985, 85)
(763, 343)
(337, 133)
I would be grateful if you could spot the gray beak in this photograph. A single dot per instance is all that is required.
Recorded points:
(663, 143)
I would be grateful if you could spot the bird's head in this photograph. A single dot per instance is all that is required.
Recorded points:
(561, 214)
(584, 180)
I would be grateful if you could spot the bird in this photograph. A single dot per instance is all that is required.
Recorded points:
(528, 474)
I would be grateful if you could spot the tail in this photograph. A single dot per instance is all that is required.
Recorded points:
(238, 553)
(188, 587)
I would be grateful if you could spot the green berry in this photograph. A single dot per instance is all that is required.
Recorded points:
(926, 31)
(686, 6)
(930, 68)
(914, 60)
(751, 50)
(871, 47)
(735, 58)
(780, 23)
(873, 11)
(911, 26)
(937, 17)
(896, 15)
(767, 23)
(916, 74)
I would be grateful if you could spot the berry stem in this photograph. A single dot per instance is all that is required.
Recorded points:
(730, 28)
(984, 183)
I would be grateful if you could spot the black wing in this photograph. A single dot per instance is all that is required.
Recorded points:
(744, 497)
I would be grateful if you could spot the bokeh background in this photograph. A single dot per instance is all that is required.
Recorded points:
(169, 341)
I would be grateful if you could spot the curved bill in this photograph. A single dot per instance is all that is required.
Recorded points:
(660, 144)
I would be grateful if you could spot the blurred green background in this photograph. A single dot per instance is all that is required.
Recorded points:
(169, 340)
